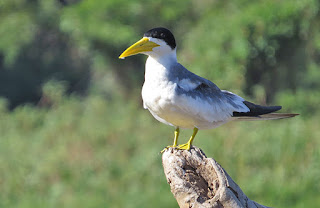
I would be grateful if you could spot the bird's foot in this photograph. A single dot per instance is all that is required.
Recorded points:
(167, 147)
(185, 146)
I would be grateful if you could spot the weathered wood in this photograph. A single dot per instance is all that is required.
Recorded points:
(200, 182)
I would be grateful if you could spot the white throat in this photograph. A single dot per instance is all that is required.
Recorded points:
(158, 67)
(165, 59)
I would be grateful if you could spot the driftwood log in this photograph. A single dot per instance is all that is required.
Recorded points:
(200, 182)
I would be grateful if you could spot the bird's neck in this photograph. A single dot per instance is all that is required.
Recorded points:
(166, 59)
(158, 68)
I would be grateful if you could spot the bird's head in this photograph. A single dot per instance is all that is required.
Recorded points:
(156, 42)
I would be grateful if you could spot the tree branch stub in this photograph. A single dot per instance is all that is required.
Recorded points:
(200, 182)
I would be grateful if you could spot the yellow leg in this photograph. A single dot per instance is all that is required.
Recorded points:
(175, 140)
(176, 135)
(187, 145)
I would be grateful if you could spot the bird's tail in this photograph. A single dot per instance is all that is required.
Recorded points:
(258, 112)
(270, 116)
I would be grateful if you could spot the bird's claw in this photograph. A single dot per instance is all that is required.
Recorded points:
(167, 147)
(185, 146)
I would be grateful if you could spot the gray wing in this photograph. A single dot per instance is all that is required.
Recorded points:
(203, 98)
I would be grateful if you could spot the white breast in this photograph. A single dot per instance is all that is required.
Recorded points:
(157, 91)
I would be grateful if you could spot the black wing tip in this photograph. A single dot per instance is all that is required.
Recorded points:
(256, 110)
(277, 107)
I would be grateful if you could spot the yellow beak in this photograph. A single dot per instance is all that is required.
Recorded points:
(142, 45)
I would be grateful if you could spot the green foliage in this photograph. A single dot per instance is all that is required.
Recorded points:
(16, 30)
(85, 140)
(78, 154)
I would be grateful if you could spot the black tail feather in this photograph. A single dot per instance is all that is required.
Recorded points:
(256, 110)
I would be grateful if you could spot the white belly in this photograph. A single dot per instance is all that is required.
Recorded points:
(163, 104)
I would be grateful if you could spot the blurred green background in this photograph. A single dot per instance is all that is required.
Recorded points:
(73, 132)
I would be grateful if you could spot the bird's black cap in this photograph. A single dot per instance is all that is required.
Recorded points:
(162, 33)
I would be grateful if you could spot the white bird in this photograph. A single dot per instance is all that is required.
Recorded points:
(178, 97)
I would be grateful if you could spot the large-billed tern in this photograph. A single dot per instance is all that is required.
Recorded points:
(178, 97)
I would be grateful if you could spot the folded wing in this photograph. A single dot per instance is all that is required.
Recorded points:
(258, 112)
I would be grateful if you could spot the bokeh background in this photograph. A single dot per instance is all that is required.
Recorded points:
(73, 132)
